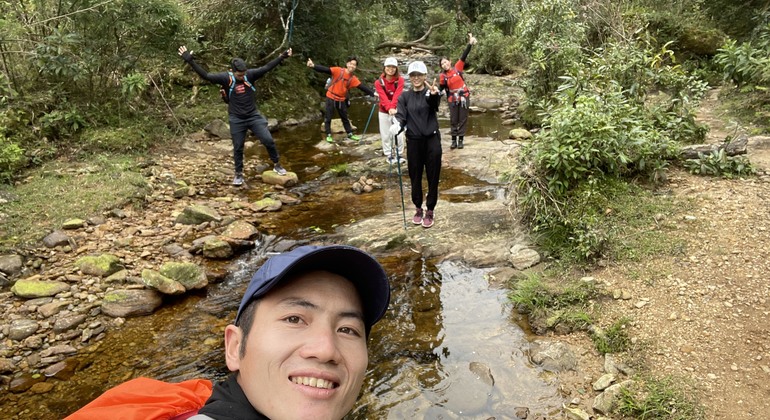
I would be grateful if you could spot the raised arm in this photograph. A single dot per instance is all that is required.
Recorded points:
(317, 67)
(221, 78)
(254, 74)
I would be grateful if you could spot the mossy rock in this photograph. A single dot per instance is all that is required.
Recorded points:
(103, 265)
(31, 289)
(189, 275)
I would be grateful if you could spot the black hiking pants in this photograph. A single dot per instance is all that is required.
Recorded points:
(424, 155)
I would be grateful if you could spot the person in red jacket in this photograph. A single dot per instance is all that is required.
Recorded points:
(453, 82)
(341, 81)
(389, 87)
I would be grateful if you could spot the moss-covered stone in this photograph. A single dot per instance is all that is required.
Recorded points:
(103, 265)
(189, 275)
(35, 288)
(161, 283)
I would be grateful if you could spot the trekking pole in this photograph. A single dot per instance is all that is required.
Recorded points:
(400, 181)
(367, 122)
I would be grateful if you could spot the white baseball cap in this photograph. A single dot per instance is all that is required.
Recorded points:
(417, 67)
(391, 61)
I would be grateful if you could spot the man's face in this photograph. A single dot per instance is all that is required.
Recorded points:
(306, 353)
(351, 65)
(239, 75)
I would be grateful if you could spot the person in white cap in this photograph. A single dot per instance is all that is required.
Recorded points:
(389, 87)
(416, 111)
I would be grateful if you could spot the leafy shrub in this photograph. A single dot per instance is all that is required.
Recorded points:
(11, 158)
(717, 163)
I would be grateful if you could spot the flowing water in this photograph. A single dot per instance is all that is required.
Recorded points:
(449, 347)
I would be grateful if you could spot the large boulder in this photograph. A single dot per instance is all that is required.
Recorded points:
(218, 128)
(161, 283)
(189, 275)
(272, 178)
(130, 302)
(34, 288)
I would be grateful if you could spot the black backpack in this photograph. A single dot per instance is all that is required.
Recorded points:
(226, 93)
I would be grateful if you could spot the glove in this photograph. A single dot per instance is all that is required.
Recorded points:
(376, 96)
(395, 128)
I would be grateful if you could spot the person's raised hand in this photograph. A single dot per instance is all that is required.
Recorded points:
(288, 52)
(310, 63)
(183, 49)
(472, 39)
(434, 87)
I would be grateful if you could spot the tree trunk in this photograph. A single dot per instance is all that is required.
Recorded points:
(738, 146)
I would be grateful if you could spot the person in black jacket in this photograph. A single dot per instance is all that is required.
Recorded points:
(416, 111)
(238, 85)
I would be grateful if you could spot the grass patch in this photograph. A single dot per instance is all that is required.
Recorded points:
(58, 191)
(612, 340)
(549, 306)
(636, 223)
(668, 398)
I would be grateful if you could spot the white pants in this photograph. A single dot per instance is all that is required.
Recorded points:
(387, 138)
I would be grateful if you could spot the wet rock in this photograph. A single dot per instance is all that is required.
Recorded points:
(189, 275)
(357, 188)
(287, 199)
(68, 322)
(486, 254)
(176, 250)
(521, 413)
(553, 356)
(73, 224)
(32, 288)
(100, 266)
(41, 388)
(24, 383)
(500, 277)
(523, 257)
(218, 128)
(241, 230)
(22, 328)
(58, 350)
(482, 372)
(576, 414)
(272, 178)
(11, 264)
(267, 204)
(217, 249)
(128, 302)
(52, 308)
(61, 370)
(56, 238)
(197, 214)
(161, 283)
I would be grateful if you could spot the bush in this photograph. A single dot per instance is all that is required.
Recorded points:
(11, 159)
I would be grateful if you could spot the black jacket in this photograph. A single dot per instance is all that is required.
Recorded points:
(417, 111)
(242, 101)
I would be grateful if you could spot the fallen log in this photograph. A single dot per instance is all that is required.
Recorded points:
(417, 43)
(737, 146)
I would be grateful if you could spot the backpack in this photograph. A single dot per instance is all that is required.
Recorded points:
(225, 94)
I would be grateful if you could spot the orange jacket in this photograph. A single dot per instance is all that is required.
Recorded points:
(342, 82)
(146, 399)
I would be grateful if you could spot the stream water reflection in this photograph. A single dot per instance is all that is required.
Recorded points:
(446, 349)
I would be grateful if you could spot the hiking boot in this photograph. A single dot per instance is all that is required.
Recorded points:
(238, 180)
(417, 219)
(454, 144)
(460, 143)
(279, 169)
(427, 221)
(329, 138)
(352, 136)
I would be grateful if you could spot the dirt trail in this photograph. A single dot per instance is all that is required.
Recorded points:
(703, 314)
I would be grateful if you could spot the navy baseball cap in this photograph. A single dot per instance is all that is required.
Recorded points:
(239, 64)
(357, 266)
